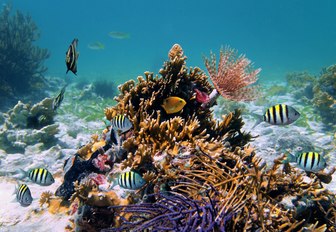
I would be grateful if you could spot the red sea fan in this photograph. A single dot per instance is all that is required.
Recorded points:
(234, 76)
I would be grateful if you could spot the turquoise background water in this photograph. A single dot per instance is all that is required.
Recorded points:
(278, 36)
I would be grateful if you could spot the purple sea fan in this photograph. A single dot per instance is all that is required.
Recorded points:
(233, 77)
(175, 212)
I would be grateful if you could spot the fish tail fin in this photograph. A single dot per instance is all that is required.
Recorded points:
(288, 157)
(113, 180)
(21, 173)
(259, 120)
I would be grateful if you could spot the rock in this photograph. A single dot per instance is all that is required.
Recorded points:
(293, 141)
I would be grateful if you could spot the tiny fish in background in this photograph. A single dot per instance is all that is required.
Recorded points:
(308, 161)
(58, 99)
(39, 176)
(121, 123)
(280, 114)
(72, 57)
(129, 180)
(119, 35)
(23, 195)
(173, 104)
(96, 46)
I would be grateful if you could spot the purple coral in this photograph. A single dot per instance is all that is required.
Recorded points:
(174, 212)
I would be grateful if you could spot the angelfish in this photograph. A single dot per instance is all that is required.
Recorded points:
(72, 57)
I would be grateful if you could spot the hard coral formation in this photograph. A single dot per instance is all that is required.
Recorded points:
(200, 172)
(319, 91)
(27, 125)
(21, 68)
(325, 95)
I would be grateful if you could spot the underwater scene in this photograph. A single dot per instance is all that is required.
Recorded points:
(168, 115)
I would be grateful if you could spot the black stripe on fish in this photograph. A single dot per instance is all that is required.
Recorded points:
(313, 160)
(281, 114)
(318, 159)
(287, 117)
(268, 116)
(274, 115)
(35, 174)
(130, 180)
(134, 184)
(305, 159)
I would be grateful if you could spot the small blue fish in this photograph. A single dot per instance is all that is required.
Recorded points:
(23, 195)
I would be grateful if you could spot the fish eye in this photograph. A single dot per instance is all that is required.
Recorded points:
(299, 148)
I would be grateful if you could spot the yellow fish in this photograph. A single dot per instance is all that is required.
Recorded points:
(173, 104)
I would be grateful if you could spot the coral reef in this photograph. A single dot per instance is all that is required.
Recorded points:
(318, 91)
(200, 173)
(21, 62)
(325, 96)
(27, 125)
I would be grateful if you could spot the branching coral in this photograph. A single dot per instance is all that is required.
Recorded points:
(199, 172)
(21, 68)
(234, 76)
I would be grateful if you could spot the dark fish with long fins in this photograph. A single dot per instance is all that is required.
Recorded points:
(280, 114)
(23, 195)
(59, 98)
(72, 57)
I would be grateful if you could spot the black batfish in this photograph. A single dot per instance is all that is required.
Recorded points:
(72, 57)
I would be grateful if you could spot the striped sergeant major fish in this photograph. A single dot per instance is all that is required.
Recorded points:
(129, 180)
(58, 99)
(280, 114)
(121, 123)
(71, 57)
(40, 176)
(308, 161)
(23, 195)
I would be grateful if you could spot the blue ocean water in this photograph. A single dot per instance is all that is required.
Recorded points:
(278, 36)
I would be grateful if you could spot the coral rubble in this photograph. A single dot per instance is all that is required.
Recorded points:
(201, 174)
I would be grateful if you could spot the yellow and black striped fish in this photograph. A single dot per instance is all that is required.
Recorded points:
(40, 176)
(121, 123)
(23, 195)
(311, 161)
(281, 114)
(130, 180)
(72, 57)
